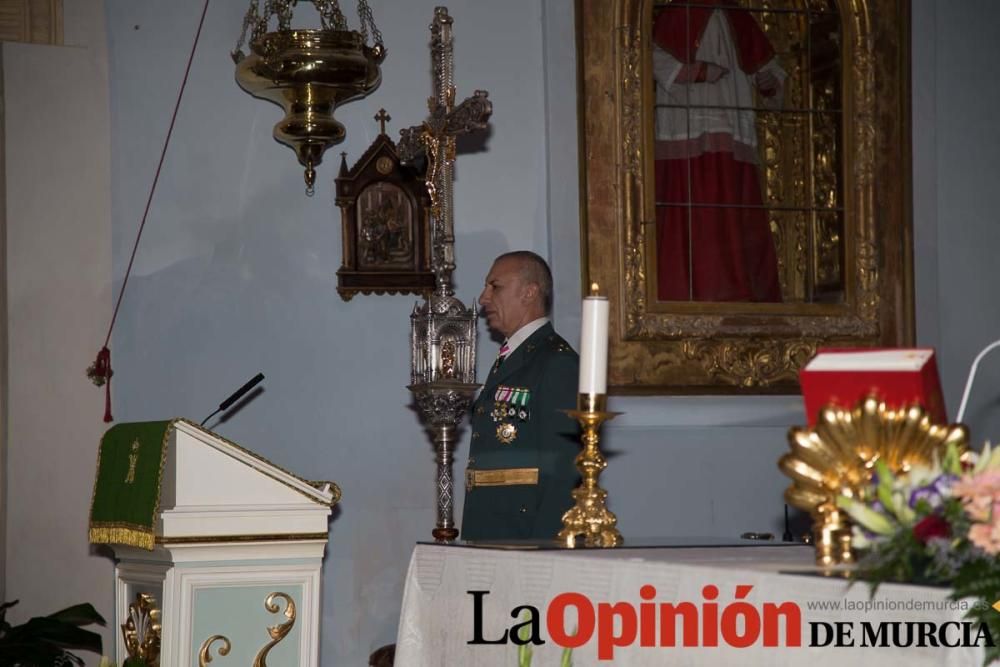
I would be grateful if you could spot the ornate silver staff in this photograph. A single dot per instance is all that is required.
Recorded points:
(442, 329)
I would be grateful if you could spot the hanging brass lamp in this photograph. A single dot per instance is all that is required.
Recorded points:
(308, 72)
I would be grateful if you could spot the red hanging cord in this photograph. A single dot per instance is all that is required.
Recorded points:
(100, 371)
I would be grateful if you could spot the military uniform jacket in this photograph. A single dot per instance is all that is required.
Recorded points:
(519, 432)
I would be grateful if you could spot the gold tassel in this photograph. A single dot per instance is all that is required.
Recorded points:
(119, 535)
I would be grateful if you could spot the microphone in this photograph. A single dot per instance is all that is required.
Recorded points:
(237, 395)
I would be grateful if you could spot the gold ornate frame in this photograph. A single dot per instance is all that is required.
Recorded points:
(698, 347)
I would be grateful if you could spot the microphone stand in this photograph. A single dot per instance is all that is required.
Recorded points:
(237, 395)
(972, 376)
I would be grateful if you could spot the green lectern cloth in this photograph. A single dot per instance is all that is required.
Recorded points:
(127, 488)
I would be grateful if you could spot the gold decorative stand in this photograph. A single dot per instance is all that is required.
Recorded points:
(589, 517)
(837, 458)
(832, 536)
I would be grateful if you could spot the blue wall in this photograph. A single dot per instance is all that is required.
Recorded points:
(236, 274)
(236, 271)
(956, 144)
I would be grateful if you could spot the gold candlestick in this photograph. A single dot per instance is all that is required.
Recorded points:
(589, 517)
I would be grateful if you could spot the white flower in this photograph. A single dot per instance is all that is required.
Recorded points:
(866, 517)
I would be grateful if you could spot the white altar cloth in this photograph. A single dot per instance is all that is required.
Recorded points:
(436, 621)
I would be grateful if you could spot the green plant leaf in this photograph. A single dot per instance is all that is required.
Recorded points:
(951, 463)
(30, 654)
(524, 650)
(524, 655)
(4, 625)
(43, 641)
(567, 655)
(79, 614)
(61, 634)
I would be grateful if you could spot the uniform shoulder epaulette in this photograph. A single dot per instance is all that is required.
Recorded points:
(558, 344)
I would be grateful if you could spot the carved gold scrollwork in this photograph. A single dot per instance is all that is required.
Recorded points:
(751, 366)
(205, 654)
(141, 631)
(632, 152)
(865, 139)
(277, 632)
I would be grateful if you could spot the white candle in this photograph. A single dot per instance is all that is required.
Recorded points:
(594, 345)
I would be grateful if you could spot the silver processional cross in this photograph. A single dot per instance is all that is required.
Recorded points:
(436, 136)
(442, 329)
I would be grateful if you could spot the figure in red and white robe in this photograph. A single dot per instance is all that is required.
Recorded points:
(706, 62)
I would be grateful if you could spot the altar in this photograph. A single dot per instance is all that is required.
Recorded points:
(694, 602)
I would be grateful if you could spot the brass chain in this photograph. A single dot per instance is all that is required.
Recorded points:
(330, 14)
(368, 22)
(331, 17)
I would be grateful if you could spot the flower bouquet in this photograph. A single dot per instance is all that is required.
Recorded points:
(935, 524)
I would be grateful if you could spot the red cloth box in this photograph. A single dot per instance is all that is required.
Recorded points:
(899, 376)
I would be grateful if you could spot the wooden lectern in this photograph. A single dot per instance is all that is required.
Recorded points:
(236, 554)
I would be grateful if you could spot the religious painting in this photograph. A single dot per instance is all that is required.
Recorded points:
(385, 213)
(756, 202)
(387, 227)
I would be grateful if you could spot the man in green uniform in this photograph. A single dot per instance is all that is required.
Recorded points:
(521, 470)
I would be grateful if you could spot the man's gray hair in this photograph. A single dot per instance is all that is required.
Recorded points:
(536, 270)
